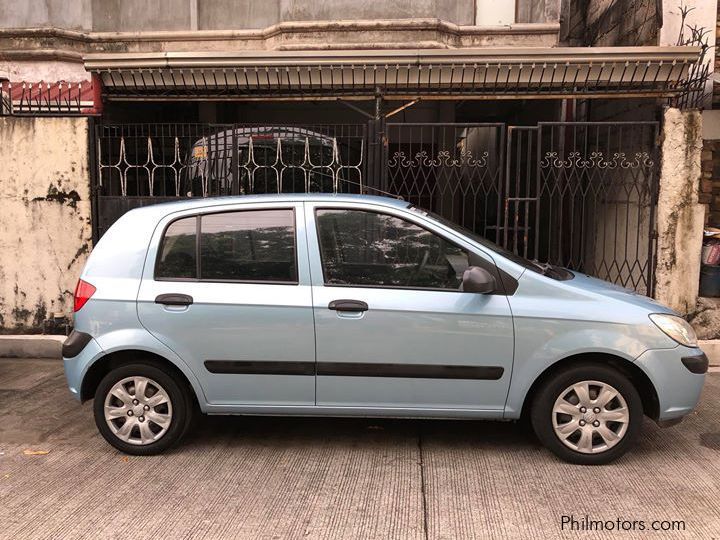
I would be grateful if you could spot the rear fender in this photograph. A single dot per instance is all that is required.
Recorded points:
(142, 340)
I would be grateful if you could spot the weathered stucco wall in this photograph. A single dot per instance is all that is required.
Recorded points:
(45, 229)
(680, 215)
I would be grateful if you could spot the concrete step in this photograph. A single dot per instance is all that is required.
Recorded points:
(31, 346)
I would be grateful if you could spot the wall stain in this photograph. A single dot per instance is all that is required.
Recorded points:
(82, 251)
(54, 194)
(40, 314)
(17, 291)
(21, 314)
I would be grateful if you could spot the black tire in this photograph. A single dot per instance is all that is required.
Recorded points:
(541, 412)
(179, 397)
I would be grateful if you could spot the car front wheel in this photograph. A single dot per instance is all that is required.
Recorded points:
(588, 414)
(141, 410)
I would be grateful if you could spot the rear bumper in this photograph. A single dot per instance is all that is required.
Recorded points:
(678, 376)
(75, 343)
(76, 366)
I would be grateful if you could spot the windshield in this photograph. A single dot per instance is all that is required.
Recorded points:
(514, 257)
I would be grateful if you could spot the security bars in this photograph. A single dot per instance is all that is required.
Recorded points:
(580, 195)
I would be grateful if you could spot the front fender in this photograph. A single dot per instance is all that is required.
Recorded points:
(534, 353)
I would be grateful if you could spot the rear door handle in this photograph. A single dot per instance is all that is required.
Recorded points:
(348, 305)
(174, 299)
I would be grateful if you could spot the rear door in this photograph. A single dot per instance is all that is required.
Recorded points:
(230, 294)
(393, 329)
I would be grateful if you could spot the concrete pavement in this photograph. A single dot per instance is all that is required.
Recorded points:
(279, 478)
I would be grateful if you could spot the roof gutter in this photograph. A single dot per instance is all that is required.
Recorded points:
(553, 55)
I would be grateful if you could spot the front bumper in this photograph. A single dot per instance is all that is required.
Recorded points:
(678, 388)
(77, 366)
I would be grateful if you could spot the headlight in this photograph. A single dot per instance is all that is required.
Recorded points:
(676, 328)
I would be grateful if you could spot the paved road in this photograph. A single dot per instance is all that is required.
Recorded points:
(335, 478)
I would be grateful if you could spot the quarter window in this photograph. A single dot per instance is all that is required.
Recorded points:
(370, 249)
(178, 255)
(249, 245)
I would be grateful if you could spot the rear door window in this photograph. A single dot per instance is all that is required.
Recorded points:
(252, 245)
(244, 246)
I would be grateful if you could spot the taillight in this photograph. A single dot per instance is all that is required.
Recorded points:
(83, 292)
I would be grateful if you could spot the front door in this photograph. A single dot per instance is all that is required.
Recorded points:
(393, 329)
(230, 294)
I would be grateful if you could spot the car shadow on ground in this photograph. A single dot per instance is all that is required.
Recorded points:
(332, 429)
(491, 436)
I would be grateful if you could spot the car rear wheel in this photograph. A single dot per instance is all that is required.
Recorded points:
(589, 414)
(142, 410)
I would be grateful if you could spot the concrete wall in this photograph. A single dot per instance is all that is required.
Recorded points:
(680, 215)
(231, 14)
(538, 11)
(73, 15)
(457, 11)
(141, 15)
(608, 23)
(45, 218)
(34, 71)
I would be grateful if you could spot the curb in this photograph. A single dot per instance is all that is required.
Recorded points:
(31, 346)
(711, 347)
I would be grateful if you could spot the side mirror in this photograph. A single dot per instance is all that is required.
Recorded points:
(478, 280)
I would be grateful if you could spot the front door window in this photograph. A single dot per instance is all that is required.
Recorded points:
(369, 249)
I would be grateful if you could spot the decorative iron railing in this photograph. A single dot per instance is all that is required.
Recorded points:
(46, 99)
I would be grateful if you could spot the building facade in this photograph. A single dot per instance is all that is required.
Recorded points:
(540, 124)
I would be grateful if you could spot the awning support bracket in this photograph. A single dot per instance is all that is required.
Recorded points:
(402, 107)
(356, 108)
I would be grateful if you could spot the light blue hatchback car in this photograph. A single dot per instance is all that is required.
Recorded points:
(342, 305)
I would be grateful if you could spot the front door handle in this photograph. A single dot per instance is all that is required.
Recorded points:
(348, 305)
(174, 299)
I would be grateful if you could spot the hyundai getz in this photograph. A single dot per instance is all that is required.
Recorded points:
(342, 305)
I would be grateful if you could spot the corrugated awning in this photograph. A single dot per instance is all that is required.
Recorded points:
(401, 74)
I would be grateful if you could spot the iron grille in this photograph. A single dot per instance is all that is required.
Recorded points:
(580, 195)
(596, 192)
(139, 164)
(452, 169)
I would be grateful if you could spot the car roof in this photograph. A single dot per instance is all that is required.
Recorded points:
(204, 202)
(251, 131)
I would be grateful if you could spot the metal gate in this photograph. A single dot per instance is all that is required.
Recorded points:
(141, 164)
(580, 195)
